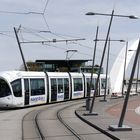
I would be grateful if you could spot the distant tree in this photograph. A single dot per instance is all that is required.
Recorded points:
(32, 66)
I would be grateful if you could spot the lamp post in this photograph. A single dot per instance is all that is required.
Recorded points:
(101, 63)
(138, 65)
(92, 68)
(124, 66)
(127, 16)
(112, 15)
(107, 70)
(120, 126)
(138, 73)
(110, 40)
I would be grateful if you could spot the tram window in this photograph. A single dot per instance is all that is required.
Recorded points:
(17, 89)
(88, 84)
(103, 82)
(66, 84)
(60, 86)
(66, 88)
(53, 86)
(4, 89)
(37, 87)
(26, 85)
(78, 84)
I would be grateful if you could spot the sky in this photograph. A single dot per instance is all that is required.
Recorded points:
(45, 20)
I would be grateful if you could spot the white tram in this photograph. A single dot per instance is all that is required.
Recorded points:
(21, 88)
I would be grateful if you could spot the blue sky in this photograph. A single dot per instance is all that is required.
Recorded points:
(65, 19)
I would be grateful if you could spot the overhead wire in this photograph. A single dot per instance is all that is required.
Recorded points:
(65, 49)
(36, 33)
(45, 20)
(11, 12)
(55, 46)
(47, 1)
(7, 35)
(63, 35)
(31, 12)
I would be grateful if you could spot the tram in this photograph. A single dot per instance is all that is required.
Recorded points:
(27, 88)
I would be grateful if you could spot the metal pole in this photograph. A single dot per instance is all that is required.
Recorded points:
(124, 67)
(91, 79)
(129, 87)
(53, 41)
(96, 85)
(107, 69)
(138, 74)
(25, 65)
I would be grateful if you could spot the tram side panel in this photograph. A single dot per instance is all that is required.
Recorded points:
(27, 88)
(32, 88)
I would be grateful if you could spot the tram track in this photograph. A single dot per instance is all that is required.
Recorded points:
(61, 119)
(31, 119)
(41, 136)
(57, 121)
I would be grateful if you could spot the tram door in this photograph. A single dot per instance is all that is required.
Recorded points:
(53, 89)
(26, 89)
(59, 89)
(66, 88)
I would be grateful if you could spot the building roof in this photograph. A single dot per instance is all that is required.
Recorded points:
(62, 61)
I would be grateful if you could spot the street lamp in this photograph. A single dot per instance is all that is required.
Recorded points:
(128, 16)
(124, 66)
(93, 61)
(120, 40)
(137, 71)
(101, 63)
(96, 85)
(120, 126)
(138, 74)
(108, 62)
(92, 68)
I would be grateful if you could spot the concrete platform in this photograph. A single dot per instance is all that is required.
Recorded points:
(109, 115)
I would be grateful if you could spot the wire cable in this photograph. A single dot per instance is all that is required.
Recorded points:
(47, 1)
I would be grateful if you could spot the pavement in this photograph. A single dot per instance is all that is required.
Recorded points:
(108, 114)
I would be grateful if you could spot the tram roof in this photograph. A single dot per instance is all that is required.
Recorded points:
(12, 75)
